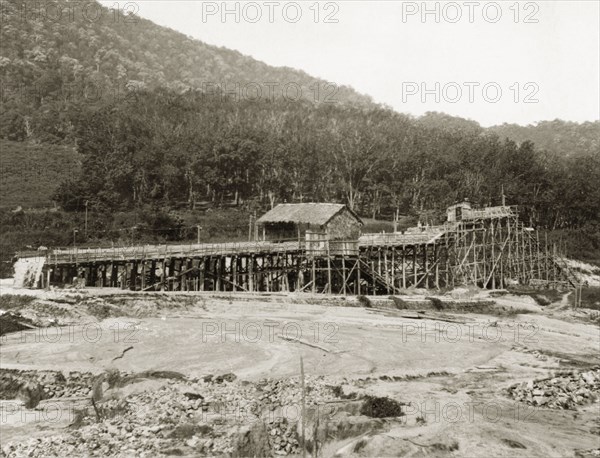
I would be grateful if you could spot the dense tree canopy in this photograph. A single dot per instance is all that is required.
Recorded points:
(158, 147)
(131, 98)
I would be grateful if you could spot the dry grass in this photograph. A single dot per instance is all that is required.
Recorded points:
(14, 301)
(590, 298)
(364, 301)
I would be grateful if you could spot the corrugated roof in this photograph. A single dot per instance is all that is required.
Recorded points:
(309, 213)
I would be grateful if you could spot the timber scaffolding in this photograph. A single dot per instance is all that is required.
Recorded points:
(490, 248)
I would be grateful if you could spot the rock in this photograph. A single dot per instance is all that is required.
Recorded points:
(31, 394)
(566, 391)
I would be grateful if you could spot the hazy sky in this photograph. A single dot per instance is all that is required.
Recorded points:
(487, 58)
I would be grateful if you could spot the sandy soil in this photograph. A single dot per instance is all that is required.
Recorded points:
(451, 369)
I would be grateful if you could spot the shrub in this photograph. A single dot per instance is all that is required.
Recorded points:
(590, 297)
(364, 301)
(399, 303)
(381, 407)
(437, 303)
(14, 301)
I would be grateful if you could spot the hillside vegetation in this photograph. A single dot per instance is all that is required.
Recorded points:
(30, 173)
(160, 148)
(56, 56)
(563, 138)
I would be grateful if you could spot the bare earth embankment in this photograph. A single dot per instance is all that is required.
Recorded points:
(472, 374)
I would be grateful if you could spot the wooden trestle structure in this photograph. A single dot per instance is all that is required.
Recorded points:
(491, 249)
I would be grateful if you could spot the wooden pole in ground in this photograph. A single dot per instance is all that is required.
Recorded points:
(373, 273)
(358, 275)
(436, 249)
(426, 262)
(328, 270)
(554, 262)
(510, 259)
(523, 252)
(394, 269)
(143, 275)
(234, 278)
(404, 266)
(303, 407)
(387, 271)
(547, 274)
(314, 275)
(415, 248)
(344, 273)
(250, 268)
(493, 267)
(529, 243)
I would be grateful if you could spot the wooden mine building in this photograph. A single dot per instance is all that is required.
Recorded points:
(295, 221)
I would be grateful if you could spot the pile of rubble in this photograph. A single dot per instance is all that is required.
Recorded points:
(189, 417)
(283, 437)
(53, 384)
(565, 391)
(287, 391)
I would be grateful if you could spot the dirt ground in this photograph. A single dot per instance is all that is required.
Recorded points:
(449, 368)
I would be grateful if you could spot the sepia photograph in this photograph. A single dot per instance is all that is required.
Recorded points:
(305, 229)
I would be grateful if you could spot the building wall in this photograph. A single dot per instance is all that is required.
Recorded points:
(343, 226)
(464, 209)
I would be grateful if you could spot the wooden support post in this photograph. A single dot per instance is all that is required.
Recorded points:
(493, 237)
(529, 243)
(426, 263)
(510, 259)
(523, 255)
(219, 272)
(251, 273)
(163, 275)
(328, 271)
(143, 275)
(185, 266)
(201, 273)
(314, 275)
(547, 274)
(133, 276)
(387, 271)
(447, 258)
(344, 274)
(358, 274)
(554, 262)
(415, 248)
(404, 266)
(436, 249)
(394, 269)
(234, 279)
(153, 272)
(373, 273)
(267, 268)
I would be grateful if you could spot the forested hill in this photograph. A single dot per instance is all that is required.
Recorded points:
(110, 116)
(54, 53)
(567, 139)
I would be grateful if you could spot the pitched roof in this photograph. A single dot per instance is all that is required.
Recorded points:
(311, 213)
